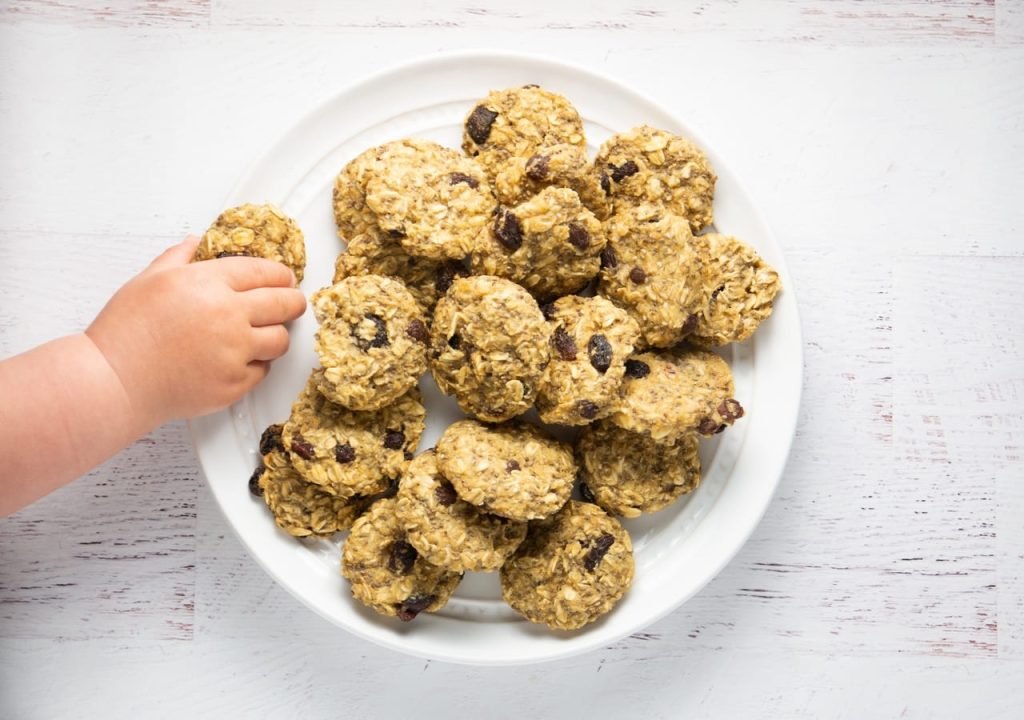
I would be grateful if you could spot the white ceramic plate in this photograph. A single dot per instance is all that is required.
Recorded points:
(678, 550)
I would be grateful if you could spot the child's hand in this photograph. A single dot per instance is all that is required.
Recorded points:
(187, 339)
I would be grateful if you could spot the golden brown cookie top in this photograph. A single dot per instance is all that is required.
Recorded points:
(257, 231)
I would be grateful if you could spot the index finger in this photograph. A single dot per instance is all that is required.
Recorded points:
(247, 273)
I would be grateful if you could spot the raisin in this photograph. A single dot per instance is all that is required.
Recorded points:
(690, 325)
(563, 343)
(344, 453)
(408, 455)
(547, 309)
(707, 427)
(445, 494)
(637, 368)
(402, 557)
(606, 184)
(478, 124)
(623, 171)
(512, 466)
(380, 335)
(302, 448)
(508, 230)
(254, 481)
(586, 493)
(394, 439)
(730, 409)
(587, 409)
(455, 342)
(608, 259)
(720, 430)
(638, 275)
(596, 553)
(600, 352)
(270, 440)
(234, 253)
(537, 167)
(418, 331)
(578, 236)
(413, 605)
(456, 177)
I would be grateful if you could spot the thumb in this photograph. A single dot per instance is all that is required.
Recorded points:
(176, 255)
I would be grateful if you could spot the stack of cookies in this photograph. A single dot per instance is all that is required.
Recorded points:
(524, 275)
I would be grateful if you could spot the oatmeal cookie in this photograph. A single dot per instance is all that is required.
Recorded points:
(571, 569)
(300, 508)
(434, 200)
(669, 395)
(550, 244)
(447, 531)
(352, 453)
(514, 470)
(372, 341)
(646, 165)
(386, 572)
(376, 254)
(653, 269)
(351, 213)
(590, 341)
(517, 123)
(740, 288)
(564, 166)
(489, 347)
(258, 231)
(628, 474)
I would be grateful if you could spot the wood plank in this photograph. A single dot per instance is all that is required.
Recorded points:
(109, 13)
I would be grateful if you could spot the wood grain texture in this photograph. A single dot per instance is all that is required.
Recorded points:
(884, 142)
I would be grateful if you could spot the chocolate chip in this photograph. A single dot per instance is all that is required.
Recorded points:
(344, 453)
(586, 493)
(608, 259)
(730, 409)
(511, 466)
(707, 426)
(270, 440)
(302, 448)
(478, 124)
(587, 409)
(233, 253)
(600, 352)
(456, 177)
(606, 184)
(547, 309)
(563, 343)
(445, 494)
(508, 230)
(380, 335)
(623, 171)
(413, 605)
(578, 236)
(394, 439)
(690, 325)
(402, 557)
(254, 481)
(417, 330)
(638, 275)
(637, 368)
(537, 167)
(596, 553)
(455, 342)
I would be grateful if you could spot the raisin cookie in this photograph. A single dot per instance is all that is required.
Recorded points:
(571, 569)
(628, 474)
(352, 453)
(669, 395)
(258, 231)
(300, 508)
(489, 347)
(517, 123)
(513, 470)
(590, 341)
(386, 572)
(351, 213)
(646, 165)
(447, 531)
(550, 244)
(565, 166)
(653, 269)
(740, 287)
(434, 200)
(372, 341)
(374, 253)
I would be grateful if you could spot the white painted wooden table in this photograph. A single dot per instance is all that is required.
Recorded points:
(885, 143)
